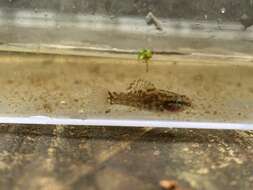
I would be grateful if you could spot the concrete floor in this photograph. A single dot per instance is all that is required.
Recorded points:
(66, 157)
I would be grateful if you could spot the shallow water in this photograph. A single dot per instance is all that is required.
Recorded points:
(76, 86)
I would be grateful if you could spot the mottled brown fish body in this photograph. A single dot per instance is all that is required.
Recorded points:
(151, 99)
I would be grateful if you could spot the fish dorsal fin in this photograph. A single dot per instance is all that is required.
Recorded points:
(140, 85)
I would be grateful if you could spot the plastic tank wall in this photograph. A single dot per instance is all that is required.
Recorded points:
(202, 50)
(195, 9)
(187, 26)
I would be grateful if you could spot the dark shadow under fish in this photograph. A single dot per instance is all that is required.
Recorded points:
(144, 95)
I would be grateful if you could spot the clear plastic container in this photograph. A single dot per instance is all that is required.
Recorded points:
(60, 59)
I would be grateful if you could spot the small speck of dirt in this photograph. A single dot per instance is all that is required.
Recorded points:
(207, 112)
(47, 107)
(94, 69)
(169, 185)
(77, 82)
(10, 81)
(238, 84)
(81, 111)
(63, 102)
(215, 113)
(107, 111)
(198, 77)
(157, 153)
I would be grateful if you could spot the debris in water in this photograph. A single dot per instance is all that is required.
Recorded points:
(144, 95)
(107, 111)
(145, 55)
(151, 19)
(63, 102)
(157, 153)
(169, 185)
(246, 21)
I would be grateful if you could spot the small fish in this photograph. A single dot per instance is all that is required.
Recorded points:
(144, 95)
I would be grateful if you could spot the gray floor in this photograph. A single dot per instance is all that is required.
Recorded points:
(65, 157)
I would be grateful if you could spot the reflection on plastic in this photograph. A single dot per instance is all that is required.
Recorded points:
(43, 120)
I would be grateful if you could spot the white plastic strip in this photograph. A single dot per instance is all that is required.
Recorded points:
(42, 120)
